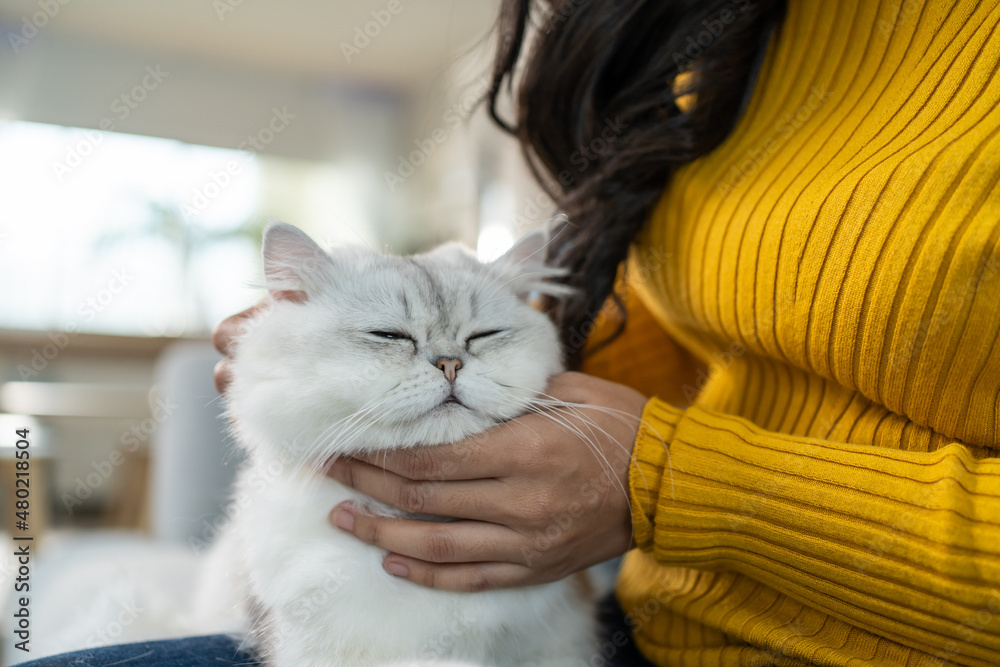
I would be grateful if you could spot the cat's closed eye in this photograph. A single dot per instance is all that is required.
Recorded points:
(482, 334)
(391, 335)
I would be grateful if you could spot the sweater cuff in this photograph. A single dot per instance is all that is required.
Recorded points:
(650, 462)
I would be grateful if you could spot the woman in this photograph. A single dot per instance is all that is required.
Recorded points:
(806, 203)
(832, 494)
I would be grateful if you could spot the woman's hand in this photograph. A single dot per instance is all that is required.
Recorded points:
(538, 498)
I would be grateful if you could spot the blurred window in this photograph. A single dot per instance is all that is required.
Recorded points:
(115, 233)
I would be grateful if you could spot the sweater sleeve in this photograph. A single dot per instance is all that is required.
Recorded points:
(904, 543)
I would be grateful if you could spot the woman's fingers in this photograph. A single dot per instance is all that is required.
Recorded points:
(229, 329)
(225, 334)
(222, 375)
(480, 499)
(476, 457)
(430, 541)
(461, 577)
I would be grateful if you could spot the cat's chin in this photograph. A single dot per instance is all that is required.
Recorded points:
(445, 423)
(448, 422)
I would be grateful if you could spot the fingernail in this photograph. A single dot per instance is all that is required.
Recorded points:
(396, 568)
(344, 518)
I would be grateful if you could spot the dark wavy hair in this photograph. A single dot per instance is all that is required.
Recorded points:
(595, 87)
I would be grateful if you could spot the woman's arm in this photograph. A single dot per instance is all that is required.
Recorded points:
(904, 543)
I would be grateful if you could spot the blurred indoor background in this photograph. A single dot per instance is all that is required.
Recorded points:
(143, 145)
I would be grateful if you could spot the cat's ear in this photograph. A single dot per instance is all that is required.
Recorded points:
(294, 266)
(523, 267)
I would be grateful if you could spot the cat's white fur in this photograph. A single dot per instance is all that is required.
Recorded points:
(310, 382)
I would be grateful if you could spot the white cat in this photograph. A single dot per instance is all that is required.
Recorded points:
(365, 352)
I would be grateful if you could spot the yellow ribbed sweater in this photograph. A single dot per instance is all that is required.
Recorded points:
(831, 493)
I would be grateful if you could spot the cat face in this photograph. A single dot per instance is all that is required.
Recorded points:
(360, 351)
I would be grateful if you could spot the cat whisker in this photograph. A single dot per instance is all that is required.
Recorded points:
(331, 432)
(589, 440)
(623, 416)
(360, 421)
(321, 464)
(308, 452)
(541, 406)
(544, 400)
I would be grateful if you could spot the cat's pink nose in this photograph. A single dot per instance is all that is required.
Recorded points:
(449, 366)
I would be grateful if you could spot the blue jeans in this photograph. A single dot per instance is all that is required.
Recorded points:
(219, 650)
(208, 651)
